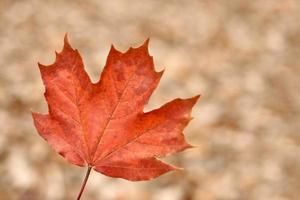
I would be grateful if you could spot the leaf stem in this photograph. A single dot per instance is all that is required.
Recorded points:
(84, 182)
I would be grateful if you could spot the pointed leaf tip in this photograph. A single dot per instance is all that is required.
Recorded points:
(196, 98)
(146, 43)
(177, 168)
(66, 43)
(161, 72)
(113, 50)
(41, 66)
(66, 37)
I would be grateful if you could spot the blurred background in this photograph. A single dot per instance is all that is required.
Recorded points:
(242, 56)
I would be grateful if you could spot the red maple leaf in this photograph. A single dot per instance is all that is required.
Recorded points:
(102, 125)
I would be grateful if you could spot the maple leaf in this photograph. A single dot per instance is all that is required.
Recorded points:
(102, 125)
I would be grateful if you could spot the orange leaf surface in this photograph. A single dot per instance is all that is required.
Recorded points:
(102, 124)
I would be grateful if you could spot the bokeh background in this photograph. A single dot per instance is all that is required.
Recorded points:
(242, 56)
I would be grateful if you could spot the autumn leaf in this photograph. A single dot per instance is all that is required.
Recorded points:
(102, 125)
